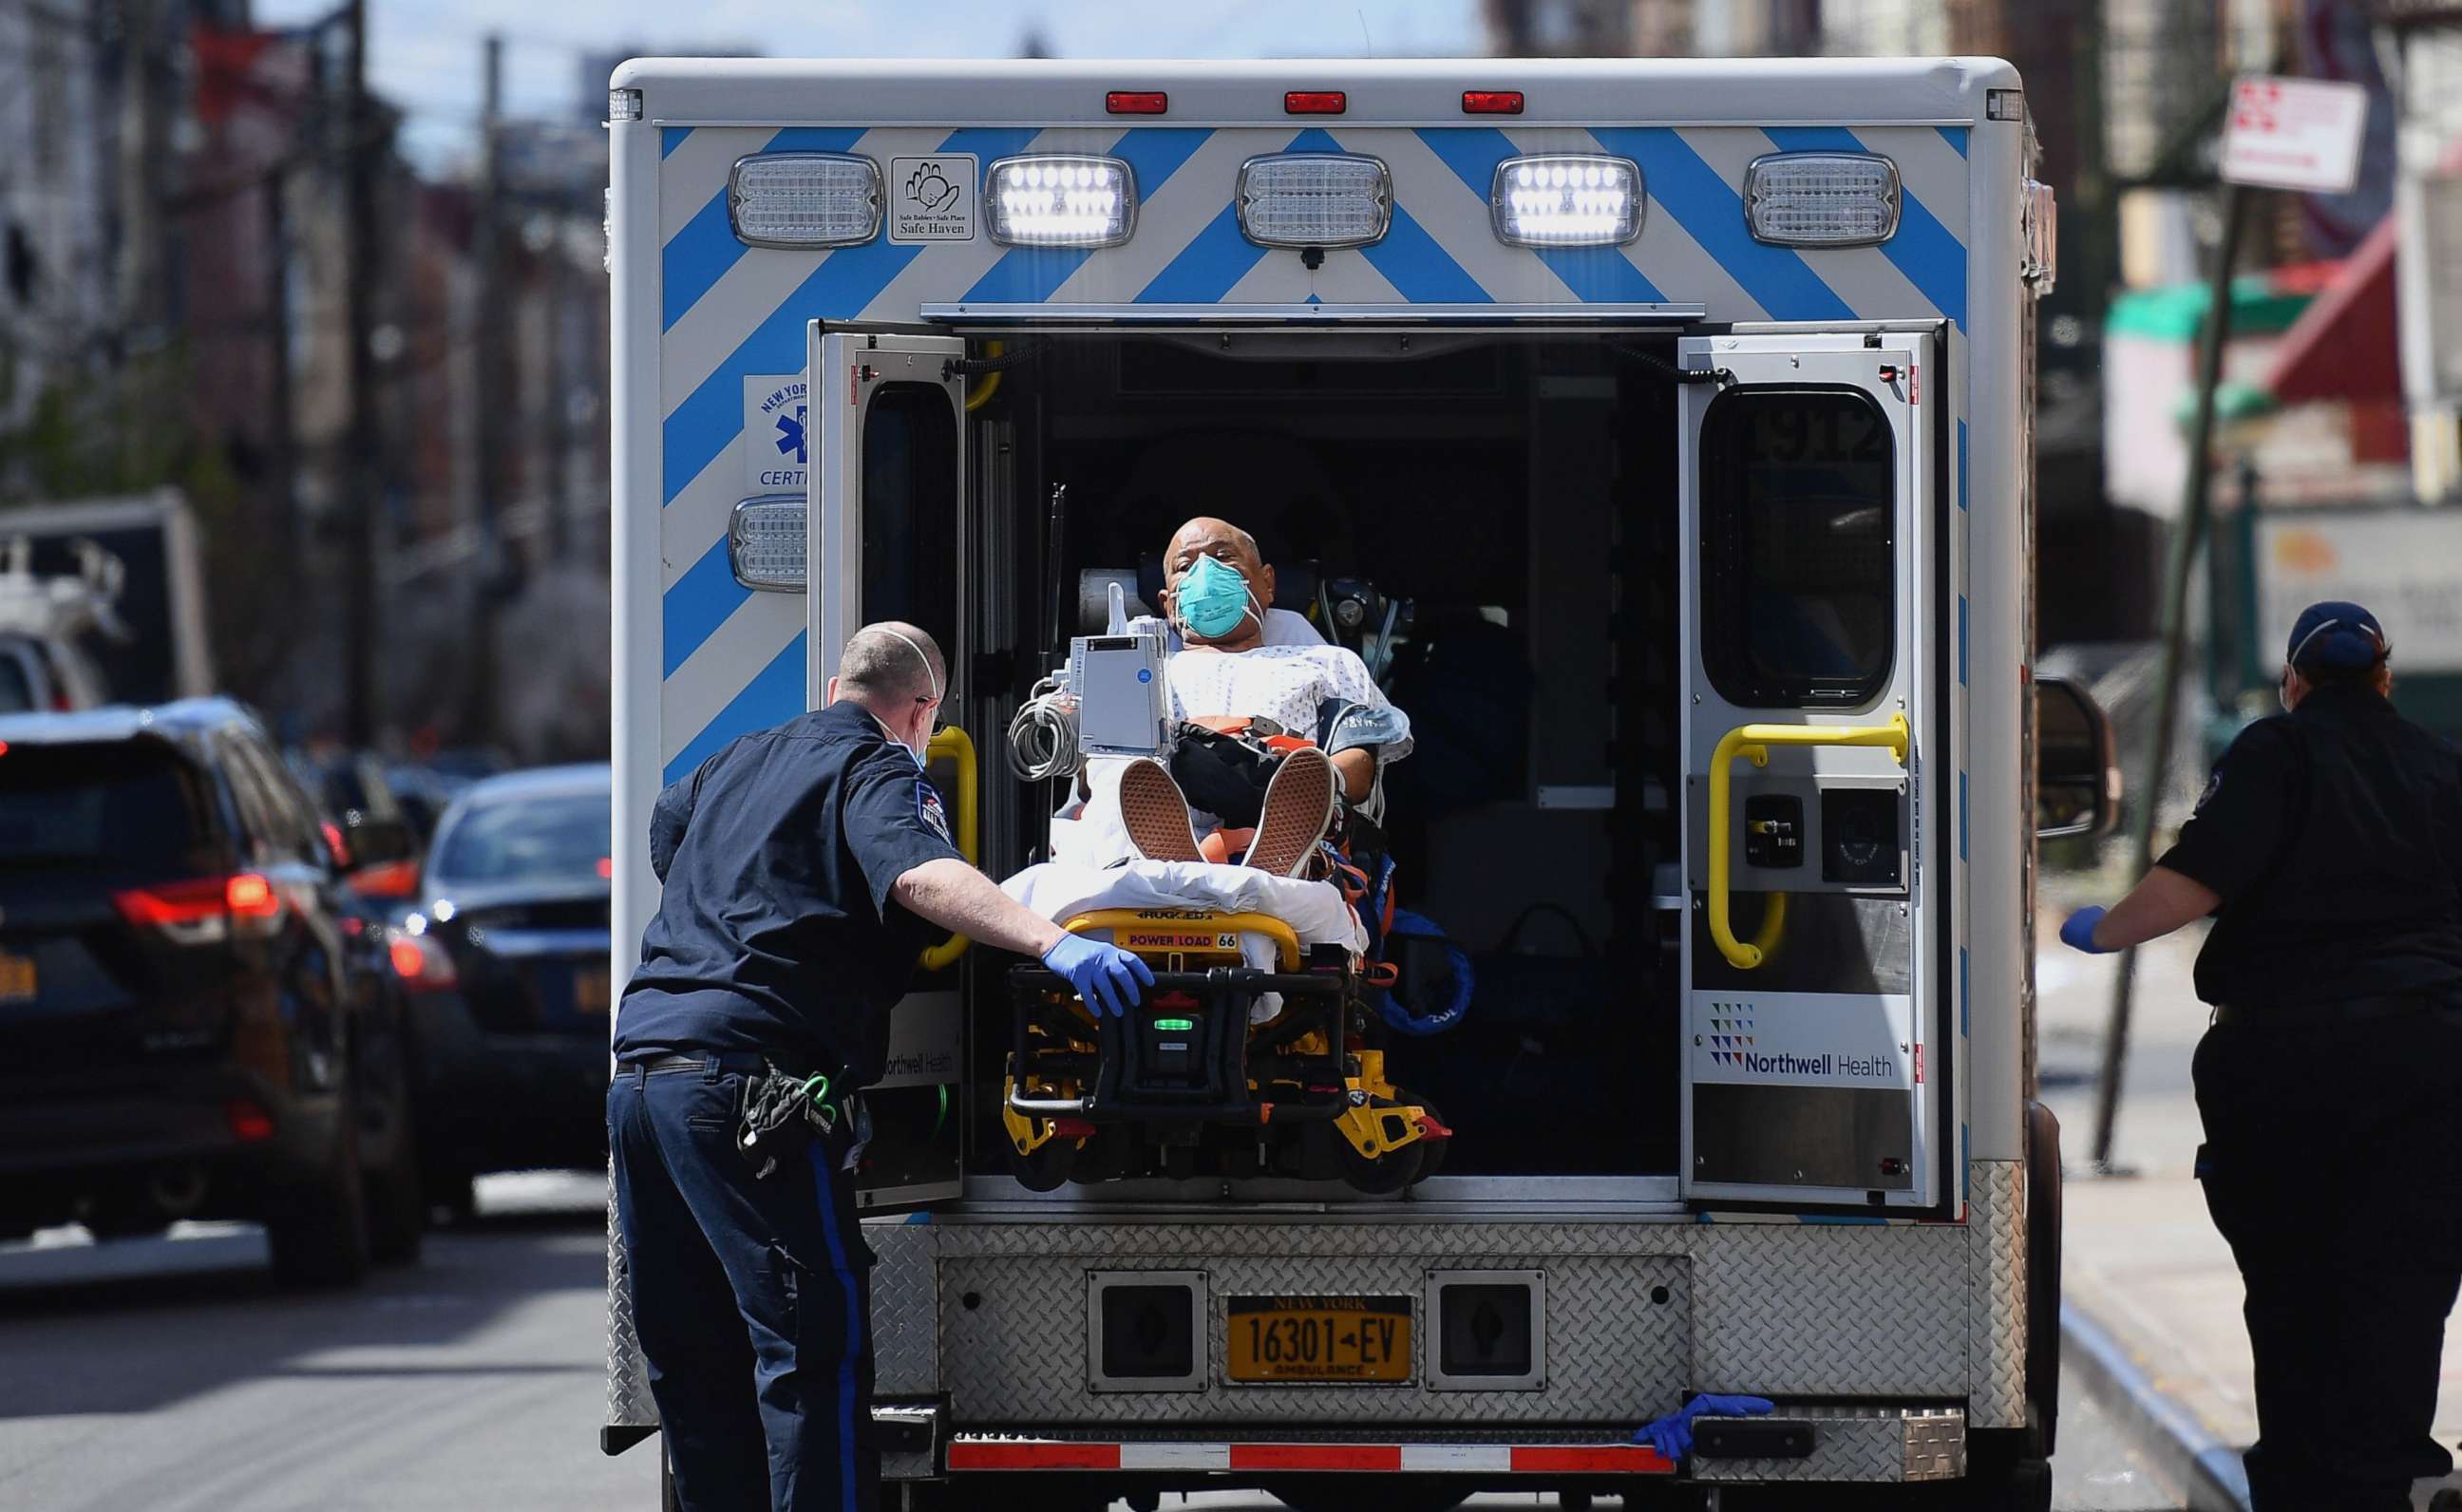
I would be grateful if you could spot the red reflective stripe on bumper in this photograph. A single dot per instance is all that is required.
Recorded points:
(1316, 1456)
(1030, 1455)
(1567, 1459)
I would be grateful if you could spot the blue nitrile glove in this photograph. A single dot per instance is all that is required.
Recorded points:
(1672, 1435)
(2078, 933)
(1105, 976)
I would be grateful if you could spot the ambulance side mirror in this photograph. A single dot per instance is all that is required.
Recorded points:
(2077, 779)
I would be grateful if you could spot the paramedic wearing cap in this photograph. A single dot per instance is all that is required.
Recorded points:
(802, 867)
(2328, 847)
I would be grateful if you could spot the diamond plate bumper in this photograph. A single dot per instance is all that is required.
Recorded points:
(1852, 1442)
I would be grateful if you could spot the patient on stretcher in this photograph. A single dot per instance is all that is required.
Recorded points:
(1276, 732)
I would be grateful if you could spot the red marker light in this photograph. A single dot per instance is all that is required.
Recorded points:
(605, 867)
(1314, 102)
(4, 747)
(1491, 103)
(1136, 102)
(248, 1123)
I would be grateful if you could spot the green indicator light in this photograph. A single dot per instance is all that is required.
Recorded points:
(1176, 1024)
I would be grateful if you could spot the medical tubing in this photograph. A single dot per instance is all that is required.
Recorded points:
(1399, 1018)
(974, 367)
(1043, 737)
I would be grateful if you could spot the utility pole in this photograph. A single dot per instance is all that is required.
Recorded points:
(2197, 490)
(360, 158)
(494, 575)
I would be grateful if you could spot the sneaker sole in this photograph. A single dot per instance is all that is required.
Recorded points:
(1155, 815)
(1299, 805)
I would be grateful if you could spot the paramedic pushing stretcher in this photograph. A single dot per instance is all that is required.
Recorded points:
(802, 866)
(2329, 848)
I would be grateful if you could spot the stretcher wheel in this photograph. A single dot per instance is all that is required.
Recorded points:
(1046, 1167)
(1389, 1172)
(1431, 1158)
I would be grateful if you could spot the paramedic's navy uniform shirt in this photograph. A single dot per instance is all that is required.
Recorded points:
(2334, 837)
(777, 932)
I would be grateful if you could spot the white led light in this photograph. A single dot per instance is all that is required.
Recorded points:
(1315, 199)
(1822, 199)
(1563, 199)
(765, 543)
(804, 199)
(1047, 201)
(624, 104)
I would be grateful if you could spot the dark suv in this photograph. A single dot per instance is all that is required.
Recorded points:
(198, 1016)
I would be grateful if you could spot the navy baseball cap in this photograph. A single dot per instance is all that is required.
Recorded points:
(2336, 633)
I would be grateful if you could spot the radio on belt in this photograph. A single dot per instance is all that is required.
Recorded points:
(1123, 704)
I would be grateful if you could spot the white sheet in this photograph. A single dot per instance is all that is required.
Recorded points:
(1315, 911)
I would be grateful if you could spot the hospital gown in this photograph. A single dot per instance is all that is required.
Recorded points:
(1292, 685)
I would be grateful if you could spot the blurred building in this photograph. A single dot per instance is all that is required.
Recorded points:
(55, 288)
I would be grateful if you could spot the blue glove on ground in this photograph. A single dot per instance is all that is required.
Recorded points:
(1672, 1435)
(1105, 976)
(2078, 933)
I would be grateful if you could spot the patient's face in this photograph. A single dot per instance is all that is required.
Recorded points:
(1229, 544)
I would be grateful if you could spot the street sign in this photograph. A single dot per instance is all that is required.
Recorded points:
(2294, 134)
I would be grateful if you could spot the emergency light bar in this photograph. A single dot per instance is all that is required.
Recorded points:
(1822, 199)
(765, 543)
(1049, 199)
(1315, 199)
(1565, 200)
(804, 199)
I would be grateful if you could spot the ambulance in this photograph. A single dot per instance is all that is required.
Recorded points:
(1660, 432)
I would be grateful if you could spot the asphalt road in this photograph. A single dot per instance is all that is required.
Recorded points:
(169, 1374)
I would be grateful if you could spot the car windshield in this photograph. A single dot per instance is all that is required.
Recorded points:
(136, 807)
(16, 689)
(562, 838)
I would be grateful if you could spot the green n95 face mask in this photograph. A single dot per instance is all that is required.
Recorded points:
(1212, 597)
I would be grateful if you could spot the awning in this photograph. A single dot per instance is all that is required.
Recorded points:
(2344, 346)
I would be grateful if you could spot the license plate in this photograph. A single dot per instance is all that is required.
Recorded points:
(590, 991)
(1342, 1339)
(16, 977)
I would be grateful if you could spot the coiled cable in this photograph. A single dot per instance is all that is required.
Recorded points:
(1043, 737)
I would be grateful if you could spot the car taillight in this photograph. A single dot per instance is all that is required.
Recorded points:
(388, 879)
(206, 910)
(421, 962)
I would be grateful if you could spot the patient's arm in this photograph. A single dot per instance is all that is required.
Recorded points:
(1358, 768)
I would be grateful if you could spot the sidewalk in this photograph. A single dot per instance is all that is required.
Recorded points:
(2140, 1262)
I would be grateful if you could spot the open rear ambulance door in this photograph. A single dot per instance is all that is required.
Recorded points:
(886, 523)
(1815, 1063)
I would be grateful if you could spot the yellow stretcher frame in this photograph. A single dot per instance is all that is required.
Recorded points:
(1752, 743)
(1286, 942)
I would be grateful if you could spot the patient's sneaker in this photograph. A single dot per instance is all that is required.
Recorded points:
(1155, 815)
(1299, 805)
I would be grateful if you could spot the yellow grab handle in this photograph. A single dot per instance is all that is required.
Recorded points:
(1287, 944)
(1752, 743)
(955, 745)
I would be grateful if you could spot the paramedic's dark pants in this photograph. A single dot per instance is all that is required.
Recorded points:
(2333, 1165)
(752, 1300)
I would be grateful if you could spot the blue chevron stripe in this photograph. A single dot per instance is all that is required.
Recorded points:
(1034, 274)
(772, 697)
(1922, 250)
(701, 251)
(1954, 136)
(669, 137)
(1420, 271)
(702, 426)
(694, 258)
(1712, 213)
(1472, 152)
(1208, 267)
(696, 605)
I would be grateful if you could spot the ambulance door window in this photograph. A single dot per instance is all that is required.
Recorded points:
(910, 509)
(1797, 548)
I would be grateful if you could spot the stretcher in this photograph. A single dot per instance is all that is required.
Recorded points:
(1270, 1067)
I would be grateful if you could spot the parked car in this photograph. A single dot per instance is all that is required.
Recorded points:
(197, 1014)
(375, 831)
(506, 960)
